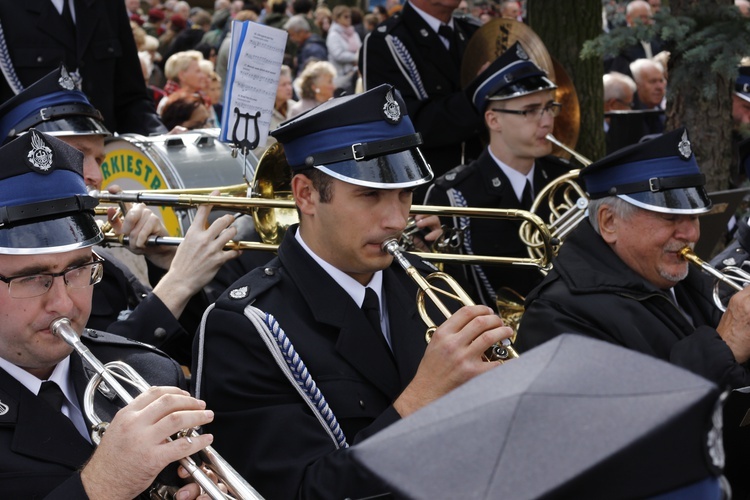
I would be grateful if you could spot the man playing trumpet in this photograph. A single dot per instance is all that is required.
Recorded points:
(341, 304)
(48, 270)
(619, 276)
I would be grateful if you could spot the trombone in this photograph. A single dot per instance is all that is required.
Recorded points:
(543, 261)
(735, 277)
(109, 375)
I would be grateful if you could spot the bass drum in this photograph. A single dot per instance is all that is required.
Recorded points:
(195, 159)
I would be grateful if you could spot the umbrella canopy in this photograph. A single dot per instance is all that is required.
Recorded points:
(573, 418)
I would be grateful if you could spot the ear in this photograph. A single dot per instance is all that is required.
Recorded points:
(492, 121)
(608, 224)
(305, 194)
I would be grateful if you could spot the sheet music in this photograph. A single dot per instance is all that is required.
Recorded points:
(255, 57)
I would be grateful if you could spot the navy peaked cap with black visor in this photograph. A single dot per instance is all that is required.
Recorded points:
(53, 105)
(44, 204)
(365, 139)
(660, 175)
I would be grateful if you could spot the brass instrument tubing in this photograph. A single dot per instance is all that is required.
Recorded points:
(578, 156)
(687, 254)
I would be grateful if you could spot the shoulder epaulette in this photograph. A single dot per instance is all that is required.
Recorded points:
(245, 290)
(454, 176)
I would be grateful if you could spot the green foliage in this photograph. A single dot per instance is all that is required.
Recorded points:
(709, 42)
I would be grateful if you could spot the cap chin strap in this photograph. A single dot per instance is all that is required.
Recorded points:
(655, 185)
(50, 113)
(47, 208)
(365, 150)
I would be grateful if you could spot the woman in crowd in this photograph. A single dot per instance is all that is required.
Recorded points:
(343, 45)
(316, 86)
(185, 109)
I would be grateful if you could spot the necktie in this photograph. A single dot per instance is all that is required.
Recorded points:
(52, 394)
(371, 308)
(68, 17)
(527, 198)
(449, 34)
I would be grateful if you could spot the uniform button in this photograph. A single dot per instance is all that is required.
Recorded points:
(39, 59)
(144, 295)
(269, 271)
(362, 404)
(160, 333)
(110, 50)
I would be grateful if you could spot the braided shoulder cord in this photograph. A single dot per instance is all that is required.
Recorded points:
(6, 66)
(407, 65)
(295, 370)
(457, 200)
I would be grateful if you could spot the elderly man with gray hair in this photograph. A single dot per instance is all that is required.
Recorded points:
(310, 46)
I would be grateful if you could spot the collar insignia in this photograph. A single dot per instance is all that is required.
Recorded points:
(391, 109)
(496, 182)
(3, 408)
(40, 156)
(521, 53)
(239, 293)
(450, 177)
(424, 33)
(66, 81)
(684, 147)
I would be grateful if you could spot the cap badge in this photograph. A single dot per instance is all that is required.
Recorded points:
(684, 146)
(239, 293)
(391, 109)
(521, 53)
(746, 88)
(496, 182)
(66, 81)
(40, 155)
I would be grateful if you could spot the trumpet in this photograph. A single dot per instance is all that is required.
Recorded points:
(110, 375)
(732, 276)
(500, 352)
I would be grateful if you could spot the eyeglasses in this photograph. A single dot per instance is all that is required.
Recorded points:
(535, 113)
(34, 285)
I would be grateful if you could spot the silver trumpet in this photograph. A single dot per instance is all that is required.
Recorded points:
(115, 371)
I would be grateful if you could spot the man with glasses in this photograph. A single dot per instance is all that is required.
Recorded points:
(516, 100)
(47, 269)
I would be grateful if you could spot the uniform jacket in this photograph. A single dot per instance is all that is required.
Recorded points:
(41, 451)
(484, 185)
(406, 53)
(122, 305)
(262, 426)
(103, 49)
(592, 292)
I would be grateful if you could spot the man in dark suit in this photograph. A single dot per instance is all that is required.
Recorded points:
(348, 318)
(91, 38)
(168, 315)
(517, 102)
(638, 12)
(415, 51)
(47, 267)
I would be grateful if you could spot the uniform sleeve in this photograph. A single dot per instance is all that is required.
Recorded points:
(705, 353)
(71, 489)
(262, 427)
(134, 111)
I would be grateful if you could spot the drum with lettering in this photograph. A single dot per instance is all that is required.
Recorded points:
(195, 159)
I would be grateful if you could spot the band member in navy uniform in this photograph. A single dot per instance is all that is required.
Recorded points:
(168, 315)
(48, 267)
(516, 100)
(345, 316)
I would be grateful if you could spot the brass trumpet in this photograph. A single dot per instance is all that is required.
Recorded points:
(499, 352)
(735, 277)
(111, 374)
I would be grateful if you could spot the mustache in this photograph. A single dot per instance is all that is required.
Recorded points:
(677, 246)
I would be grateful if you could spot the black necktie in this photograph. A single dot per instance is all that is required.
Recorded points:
(449, 34)
(371, 308)
(68, 17)
(52, 394)
(527, 198)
